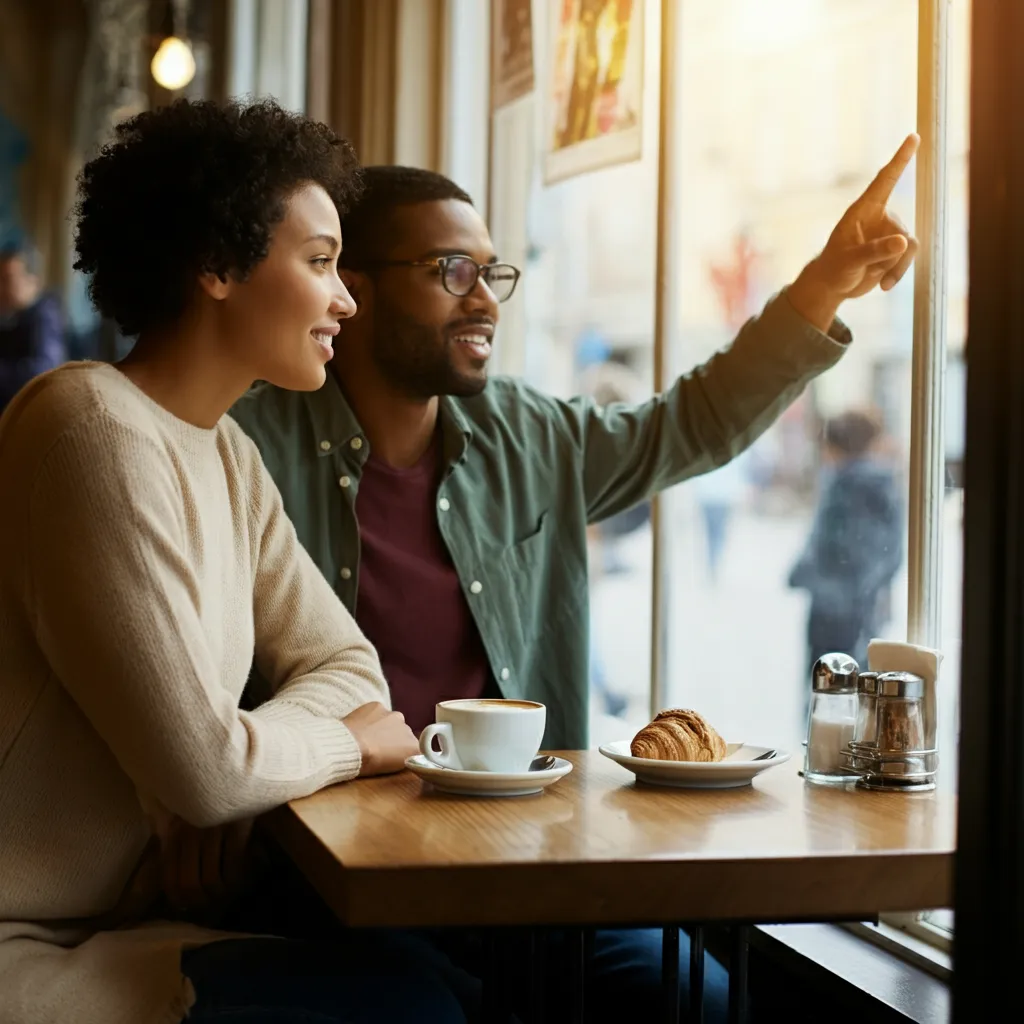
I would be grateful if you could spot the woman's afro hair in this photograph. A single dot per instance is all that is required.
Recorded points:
(195, 187)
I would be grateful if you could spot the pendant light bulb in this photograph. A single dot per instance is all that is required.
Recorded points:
(173, 64)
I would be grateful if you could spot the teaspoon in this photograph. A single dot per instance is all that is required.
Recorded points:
(538, 764)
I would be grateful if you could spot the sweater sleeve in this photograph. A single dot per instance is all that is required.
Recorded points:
(115, 606)
(308, 646)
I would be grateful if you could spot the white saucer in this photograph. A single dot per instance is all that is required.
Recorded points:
(738, 768)
(462, 783)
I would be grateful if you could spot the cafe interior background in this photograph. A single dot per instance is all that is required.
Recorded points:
(774, 117)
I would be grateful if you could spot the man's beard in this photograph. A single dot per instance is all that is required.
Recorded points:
(416, 359)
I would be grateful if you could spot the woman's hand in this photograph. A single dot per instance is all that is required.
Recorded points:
(384, 739)
(201, 867)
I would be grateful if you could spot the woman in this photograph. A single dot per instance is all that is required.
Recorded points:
(146, 562)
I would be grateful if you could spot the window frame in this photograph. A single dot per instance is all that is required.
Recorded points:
(989, 880)
(928, 379)
(925, 505)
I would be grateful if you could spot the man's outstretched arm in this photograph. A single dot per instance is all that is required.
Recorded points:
(710, 414)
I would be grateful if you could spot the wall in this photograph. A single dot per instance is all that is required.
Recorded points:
(266, 50)
(41, 50)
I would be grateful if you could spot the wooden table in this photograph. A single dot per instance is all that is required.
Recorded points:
(599, 849)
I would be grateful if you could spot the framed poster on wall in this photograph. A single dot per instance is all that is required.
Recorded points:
(511, 51)
(594, 86)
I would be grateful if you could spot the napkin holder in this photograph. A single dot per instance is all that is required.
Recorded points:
(901, 769)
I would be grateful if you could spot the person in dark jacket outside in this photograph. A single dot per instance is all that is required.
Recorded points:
(856, 543)
(31, 325)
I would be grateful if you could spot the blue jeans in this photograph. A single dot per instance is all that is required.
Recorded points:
(288, 981)
(625, 975)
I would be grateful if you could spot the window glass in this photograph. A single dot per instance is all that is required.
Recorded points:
(798, 546)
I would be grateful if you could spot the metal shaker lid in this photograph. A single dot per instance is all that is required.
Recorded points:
(835, 673)
(867, 682)
(900, 684)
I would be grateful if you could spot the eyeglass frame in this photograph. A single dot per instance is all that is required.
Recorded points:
(441, 261)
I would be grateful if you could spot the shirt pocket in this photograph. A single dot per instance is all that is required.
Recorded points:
(525, 564)
(531, 541)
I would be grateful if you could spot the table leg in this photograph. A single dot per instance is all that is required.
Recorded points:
(495, 987)
(738, 959)
(696, 1014)
(579, 947)
(536, 944)
(670, 972)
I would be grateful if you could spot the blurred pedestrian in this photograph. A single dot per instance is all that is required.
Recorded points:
(856, 542)
(718, 493)
(31, 325)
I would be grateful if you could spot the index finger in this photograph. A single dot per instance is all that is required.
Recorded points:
(885, 180)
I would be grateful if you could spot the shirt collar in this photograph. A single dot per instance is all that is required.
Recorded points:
(335, 424)
(456, 431)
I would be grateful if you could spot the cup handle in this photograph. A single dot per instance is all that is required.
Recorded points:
(447, 758)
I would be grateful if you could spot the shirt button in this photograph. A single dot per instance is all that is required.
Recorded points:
(346, 573)
(345, 481)
(444, 504)
(325, 446)
(504, 674)
(356, 443)
(475, 587)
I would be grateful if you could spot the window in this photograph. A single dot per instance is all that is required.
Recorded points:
(741, 535)
(779, 128)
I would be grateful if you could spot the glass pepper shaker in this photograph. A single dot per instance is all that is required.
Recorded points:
(867, 697)
(900, 712)
(832, 719)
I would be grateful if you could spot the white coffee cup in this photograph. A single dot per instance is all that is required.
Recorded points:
(485, 735)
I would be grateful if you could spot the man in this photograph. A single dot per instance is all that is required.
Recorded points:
(31, 329)
(450, 512)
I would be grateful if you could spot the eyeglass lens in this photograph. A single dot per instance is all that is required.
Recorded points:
(460, 275)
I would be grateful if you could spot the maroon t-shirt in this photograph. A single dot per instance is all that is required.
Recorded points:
(410, 603)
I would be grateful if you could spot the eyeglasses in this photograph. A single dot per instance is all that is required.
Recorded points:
(459, 274)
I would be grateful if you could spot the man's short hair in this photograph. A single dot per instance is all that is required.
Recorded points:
(854, 432)
(365, 228)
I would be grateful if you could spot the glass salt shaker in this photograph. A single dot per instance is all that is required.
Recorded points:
(832, 719)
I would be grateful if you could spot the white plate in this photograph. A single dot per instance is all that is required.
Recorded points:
(462, 783)
(738, 768)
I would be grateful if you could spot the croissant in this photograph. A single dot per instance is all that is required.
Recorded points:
(678, 735)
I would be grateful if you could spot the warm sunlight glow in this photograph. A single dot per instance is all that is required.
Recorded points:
(776, 24)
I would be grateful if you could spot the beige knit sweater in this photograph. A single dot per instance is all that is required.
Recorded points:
(144, 562)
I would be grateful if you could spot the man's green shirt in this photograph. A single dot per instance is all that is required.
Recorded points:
(524, 473)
